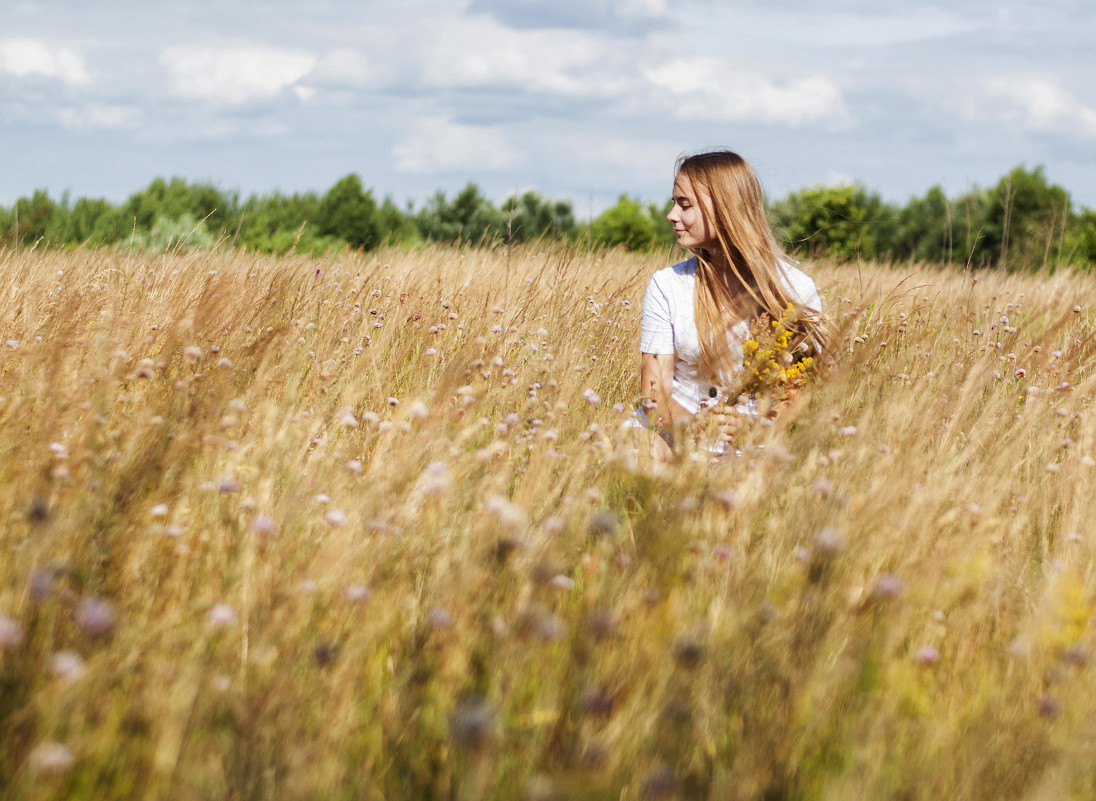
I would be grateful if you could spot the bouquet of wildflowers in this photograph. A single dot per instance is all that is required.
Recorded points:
(776, 362)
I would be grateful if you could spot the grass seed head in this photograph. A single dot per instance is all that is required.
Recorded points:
(325, 652)
(726, 497)
(67, 665)
(358, 593)
(264, 524)
(43, 580)
(659, 784)
(928, 655)
(472, 724)
(436, 480)
(828, 543)
(222, 616)
(604, 522)
(550, 627)
(50, 759)
(562, 582)
(11, 633)
(440, 618)
(1049, 706)
(887, 587)
(509, 516)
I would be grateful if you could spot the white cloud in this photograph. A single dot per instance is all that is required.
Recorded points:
(438, 145)
(712, 89)
(640, 9)
(656, 158)
(479, 52)
(23, 57)
(614, 17)
(1043, 106)
(865, 26)
(838, 178)
(234, 75)
(345, 67)
(100, 115)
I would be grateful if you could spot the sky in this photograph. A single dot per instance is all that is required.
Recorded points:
(579, 99)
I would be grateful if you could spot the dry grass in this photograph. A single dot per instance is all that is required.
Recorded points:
(233, 567)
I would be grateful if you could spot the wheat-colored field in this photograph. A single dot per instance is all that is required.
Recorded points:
(369, 527)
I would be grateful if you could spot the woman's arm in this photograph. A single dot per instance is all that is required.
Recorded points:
(656, 376)
(656, 380)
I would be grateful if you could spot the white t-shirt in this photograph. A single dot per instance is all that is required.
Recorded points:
(669, 325)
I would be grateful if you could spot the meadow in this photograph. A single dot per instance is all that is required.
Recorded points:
(369, 527)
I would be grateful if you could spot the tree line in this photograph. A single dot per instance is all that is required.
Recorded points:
(1023, 222)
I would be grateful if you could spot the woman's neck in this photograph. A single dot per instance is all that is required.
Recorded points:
(721, 269)
(720, 263)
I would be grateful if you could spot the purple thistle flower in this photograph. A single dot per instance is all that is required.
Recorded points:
(96, 616)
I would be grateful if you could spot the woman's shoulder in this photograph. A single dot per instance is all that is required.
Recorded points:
(682, 272)
(800, 284)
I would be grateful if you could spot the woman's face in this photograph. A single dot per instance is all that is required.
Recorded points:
(689, 217)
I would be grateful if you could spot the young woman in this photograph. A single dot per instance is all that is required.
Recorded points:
(696, 314)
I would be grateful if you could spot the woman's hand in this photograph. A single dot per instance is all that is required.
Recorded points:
(723, 420)
(783, 402)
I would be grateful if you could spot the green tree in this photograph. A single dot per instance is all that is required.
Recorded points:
(826, 221)
(469, 217)
(1025, 221)
(1080, 243)
(176, 199)
(627, 224)
(969, 213)
(180, 235)
(664, 229)
(349, 212)
(533, 216)
(926, 231)
(90, 221)
(36, 218)
(264, 217)
(395, 225)
(881, 220)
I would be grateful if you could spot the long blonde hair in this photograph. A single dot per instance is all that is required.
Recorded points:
(730, 197)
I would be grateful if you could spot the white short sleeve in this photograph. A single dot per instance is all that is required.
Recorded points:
(658, 329)
(801, 287)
